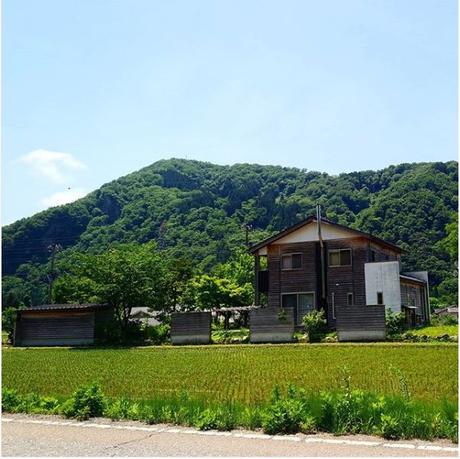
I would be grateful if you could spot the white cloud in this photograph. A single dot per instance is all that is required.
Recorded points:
(63, 197)
(51, 164)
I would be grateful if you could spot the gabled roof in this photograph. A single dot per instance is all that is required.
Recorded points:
(309, 220)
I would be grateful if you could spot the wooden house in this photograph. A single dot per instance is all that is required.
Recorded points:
(318, 264)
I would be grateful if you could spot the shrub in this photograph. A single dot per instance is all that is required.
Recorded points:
(389, 427)
(10, 400)
(395, 322)
(315, 326)
(288, 414)
(122, 408)
(157, 334)
(86, 402)
(207, 420)
(448, 320)
(239, 336)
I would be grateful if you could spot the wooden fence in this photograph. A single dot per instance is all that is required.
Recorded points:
(191, 327)
(360, 323)
(271, 325)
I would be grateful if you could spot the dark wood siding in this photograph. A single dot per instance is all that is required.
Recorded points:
(360, 323)
(342, 280)
(266, 326)
(53, 328)
(191, 327)
(292, 280)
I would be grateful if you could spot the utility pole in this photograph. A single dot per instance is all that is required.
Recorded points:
(53, 249)
(247, 227)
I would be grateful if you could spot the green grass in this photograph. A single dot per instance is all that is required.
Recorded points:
(439, 330)
(240, 373)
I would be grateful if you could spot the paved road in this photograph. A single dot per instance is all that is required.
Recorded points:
(24, 435)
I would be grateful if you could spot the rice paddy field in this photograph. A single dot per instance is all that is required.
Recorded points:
(242, 373)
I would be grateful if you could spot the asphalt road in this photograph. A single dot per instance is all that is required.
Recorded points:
(24, 435)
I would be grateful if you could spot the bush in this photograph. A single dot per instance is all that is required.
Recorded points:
(157, 334)
(122, 408)
(315, 326)
(389, 427)
(238, 336)
(10, 400)
(448, 320)
(284, 415)
(395, 322)
(86, 402)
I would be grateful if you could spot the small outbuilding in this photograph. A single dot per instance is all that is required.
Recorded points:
(60, 324)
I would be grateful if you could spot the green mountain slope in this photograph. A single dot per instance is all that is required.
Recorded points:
(199, 208)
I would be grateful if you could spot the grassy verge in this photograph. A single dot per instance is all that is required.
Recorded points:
(341, 412)
(243, 374)
(435, 331)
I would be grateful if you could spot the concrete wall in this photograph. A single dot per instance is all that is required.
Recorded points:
(383, 277)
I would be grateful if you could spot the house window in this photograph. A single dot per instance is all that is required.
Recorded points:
(302, 303)
(379, 297)
(340, 257)
(291, 261)
(333, 304)
(349, 299)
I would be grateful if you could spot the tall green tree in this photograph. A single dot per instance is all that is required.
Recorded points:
(125, 276)
(207, 292)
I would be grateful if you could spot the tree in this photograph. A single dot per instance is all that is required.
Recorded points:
(125, 276)
(450, 242)
(178, 272)
(9, 320)
(448, 288)
(207, 292)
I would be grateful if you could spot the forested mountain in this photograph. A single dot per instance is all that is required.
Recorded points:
(198, 209)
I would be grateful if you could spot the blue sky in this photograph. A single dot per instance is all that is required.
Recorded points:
(95, 89)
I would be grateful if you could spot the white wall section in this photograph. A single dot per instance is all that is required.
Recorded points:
(383, 277)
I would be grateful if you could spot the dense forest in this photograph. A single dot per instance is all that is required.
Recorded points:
(202, 211)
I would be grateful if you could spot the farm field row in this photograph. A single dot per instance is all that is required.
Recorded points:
(243, 373)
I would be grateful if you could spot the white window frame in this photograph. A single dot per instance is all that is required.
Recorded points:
(290, 255)
(338, 251)
(352, 298)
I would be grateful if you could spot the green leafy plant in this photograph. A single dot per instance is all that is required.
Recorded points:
(282, 316)
(389, 427)
(86, 402)
(315, 325)
(395, 322)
